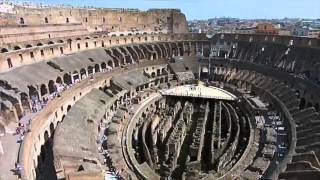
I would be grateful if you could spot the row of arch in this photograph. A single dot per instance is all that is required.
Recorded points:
(80, 74)
(60, 41)
(70, 78)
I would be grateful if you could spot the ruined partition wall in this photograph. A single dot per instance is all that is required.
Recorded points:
(99, 19)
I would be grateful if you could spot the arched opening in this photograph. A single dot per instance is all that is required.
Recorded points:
(59, 80)
(46, 20)
(116, 63)
(302, 103)
(76, 76)
(67, 79)
(110, 64)
(33, 93)
(163, 71)
(316, 106)
(309, 104)
(52, 87)
(39, 44)
(68, 108)
(153, 74)
(83, 73)
(70, 44)
(16, 48)
(51, 128)
(43, 90)
(25, 102)
(103, 66)
(50, 42)
(28, 46)
(4, 50)
(21, 20)
(90, 70)
(96, 68)
(158, 72)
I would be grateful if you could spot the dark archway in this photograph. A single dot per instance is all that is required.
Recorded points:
(43, 90)
(51, 128)
(316, 106)
(96, 68)
(153, 74)
(309, 104)
(103, 66)
(68, 108)
(110, 63)
(52, 87)
(75, 76)
(67, 79)
(90, 70)
(302, 103)
(59, 80)
(33, 93)
(116, 63)
(46, 136)
(4, 50)
(83, 73)
(17, 48)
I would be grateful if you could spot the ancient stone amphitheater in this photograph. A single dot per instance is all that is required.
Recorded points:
(129, 94)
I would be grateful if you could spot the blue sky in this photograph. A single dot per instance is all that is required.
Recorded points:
(204, 9)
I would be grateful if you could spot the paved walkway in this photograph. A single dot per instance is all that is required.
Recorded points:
(11, 148)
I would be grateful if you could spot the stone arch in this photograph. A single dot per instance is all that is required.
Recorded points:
(163, 71)
(96, 68)
(50, 42)
(309, 104)
(25, 101)
(33, 93)
(46, 21)
(110, 63)
(28, 46)
(116, 63)
(75, 75)
(60, 41)
(90, 70)
(39, 44)
(59, 80)
(83, 73)
(62, 118)
(43, 90)
(51, 127)
(46, 136)
(103, 66)
(4, 50)
(153, 74)
(67, 79)
(317, 107)
(68, 108)
(302, 103)
(52, 87)
(21, 20)
(17, 48)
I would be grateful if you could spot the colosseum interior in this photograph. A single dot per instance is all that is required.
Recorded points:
(131, 94)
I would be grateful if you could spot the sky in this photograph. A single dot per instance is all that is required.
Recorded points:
(204, 9)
